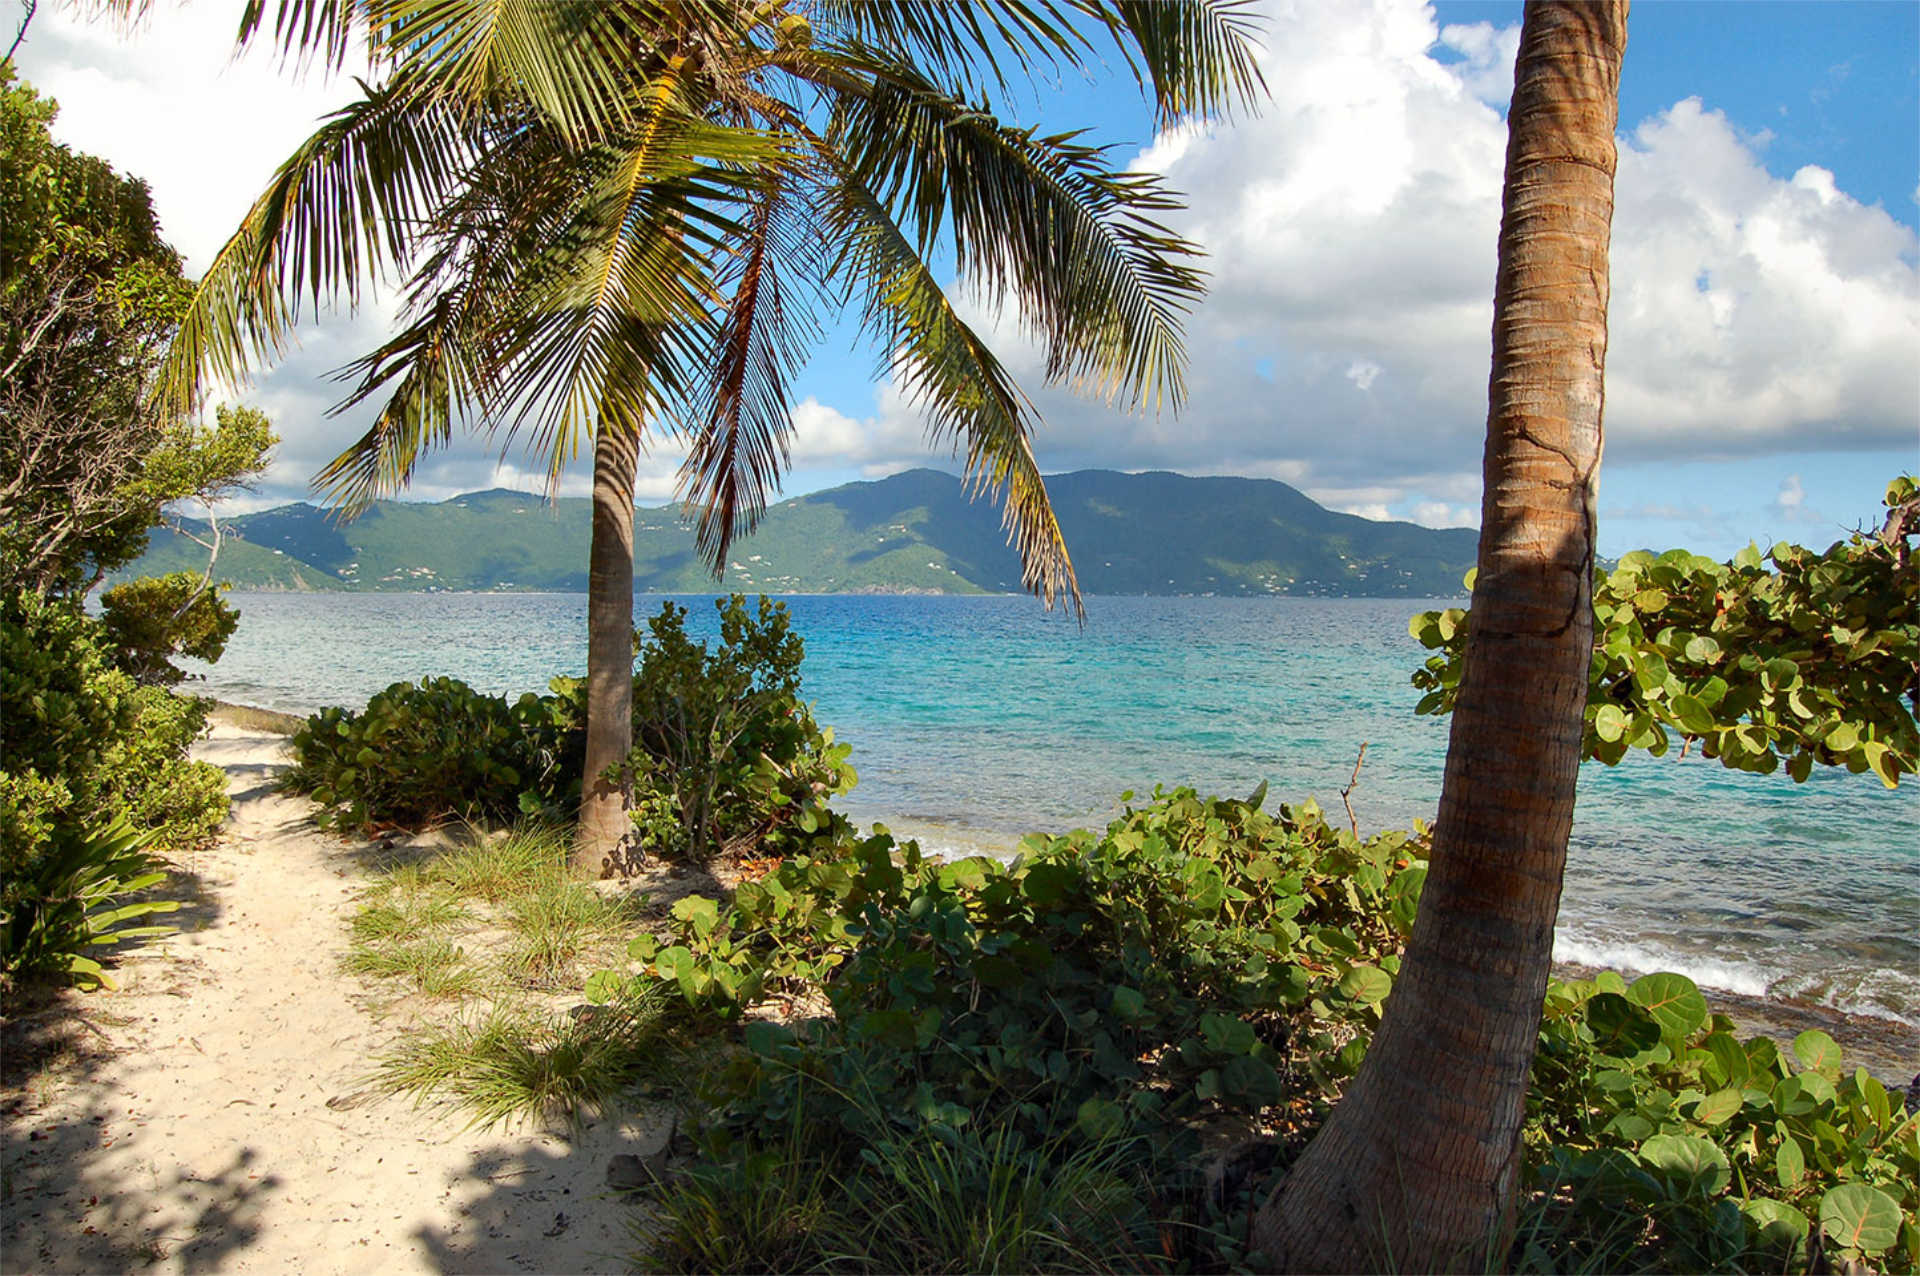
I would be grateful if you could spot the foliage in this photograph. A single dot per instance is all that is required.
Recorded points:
(726, 754)
(89, 296)
(1814, 659)
(1727, 1151)
(919, 1199)
(419, 754)
(70, 898)
(1201, 959)
(82, 744)
(154, 618)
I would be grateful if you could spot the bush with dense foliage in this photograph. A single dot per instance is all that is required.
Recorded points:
(418, 754)
(83, 750)
(726, 753)
(1207, 965)
(1788, 659)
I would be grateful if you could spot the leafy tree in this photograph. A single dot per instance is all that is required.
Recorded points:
(621, 219)
(89, 297)
(93, 752)
(1790, 658)
(1417, 1167)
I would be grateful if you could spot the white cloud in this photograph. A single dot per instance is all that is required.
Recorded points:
(1352, 229)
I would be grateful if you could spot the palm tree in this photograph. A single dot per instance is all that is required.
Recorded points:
(1417, 1167)
(619, 219)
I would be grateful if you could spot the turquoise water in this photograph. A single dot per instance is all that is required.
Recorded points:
(976, 720)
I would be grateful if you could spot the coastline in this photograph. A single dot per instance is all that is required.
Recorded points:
(1888, 1048)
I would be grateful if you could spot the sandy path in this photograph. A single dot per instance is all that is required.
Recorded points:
(195, 1133)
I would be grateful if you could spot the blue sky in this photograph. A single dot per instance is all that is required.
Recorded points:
(1764, 376)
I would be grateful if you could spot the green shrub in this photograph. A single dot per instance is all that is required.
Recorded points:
(68, 899)
(155, 618)
(726, 754)
(1726, 1152)
(419, 754)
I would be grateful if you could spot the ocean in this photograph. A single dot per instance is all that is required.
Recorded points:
(975, 720)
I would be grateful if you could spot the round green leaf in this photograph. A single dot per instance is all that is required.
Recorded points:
(1610, 722)
(1818, 1052)
(1776, 1224)
(1101, 1119)
(1697, 1162)
(1672, 1000)
(1857, 1216)
(1718, 1107)
(1368, 984)
(1694, 718)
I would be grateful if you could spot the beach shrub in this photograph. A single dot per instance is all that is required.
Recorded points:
(1202, 961)
(88, 759)
(151, 620)
(422, 753)
(72, 898)
(1721, 1151)
(81, 744)
(1786, 659)
(726, 755)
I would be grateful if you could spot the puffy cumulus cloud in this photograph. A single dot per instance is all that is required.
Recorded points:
(166, 100)
(1352, 229)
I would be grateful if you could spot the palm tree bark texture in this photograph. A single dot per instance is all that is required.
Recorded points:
(1418, 1167)
(603, 830)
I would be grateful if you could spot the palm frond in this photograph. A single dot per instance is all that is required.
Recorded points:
(948, 373)
(305, 31)
(442, 365)
(573, 61)
(620, 304)
(342, 208)
(1043, 220)
(740, 445)
(1194, 57)
(971, 45)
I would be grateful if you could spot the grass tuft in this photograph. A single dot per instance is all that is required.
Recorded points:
(435, 967)
(524, 861)
(555, 924)
(511, 1064)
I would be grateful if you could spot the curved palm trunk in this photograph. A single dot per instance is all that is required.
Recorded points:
(603, 803)
(1417, 1168)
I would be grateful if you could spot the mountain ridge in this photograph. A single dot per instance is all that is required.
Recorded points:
(915, 532)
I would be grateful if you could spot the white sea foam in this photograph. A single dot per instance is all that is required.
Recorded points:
(1737, 977)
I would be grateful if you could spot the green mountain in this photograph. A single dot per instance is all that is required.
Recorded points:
(912, 533)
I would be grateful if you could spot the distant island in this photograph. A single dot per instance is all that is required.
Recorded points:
(915, 532)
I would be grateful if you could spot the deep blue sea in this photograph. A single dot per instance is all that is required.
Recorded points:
(977, 720)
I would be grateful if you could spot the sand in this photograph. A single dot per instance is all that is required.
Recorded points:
(213, 1114)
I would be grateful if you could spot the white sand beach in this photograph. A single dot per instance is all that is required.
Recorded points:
(213, 1114)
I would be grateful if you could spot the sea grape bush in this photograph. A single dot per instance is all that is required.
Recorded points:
(1644, 1105)
(1790, 659)
(1204, 957)
(421, 753)
(1200, 955)
(726, 753)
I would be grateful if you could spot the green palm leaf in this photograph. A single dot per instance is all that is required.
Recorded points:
(948, 373)
(337, 211)
(1040, 219)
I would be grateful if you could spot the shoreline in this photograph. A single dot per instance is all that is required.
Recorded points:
(1888, 1048)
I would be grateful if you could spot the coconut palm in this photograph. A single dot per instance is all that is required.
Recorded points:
(621, 220)
(1417, 1168)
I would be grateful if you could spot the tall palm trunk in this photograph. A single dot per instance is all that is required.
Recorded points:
(1417, 1168)
(603, 800)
